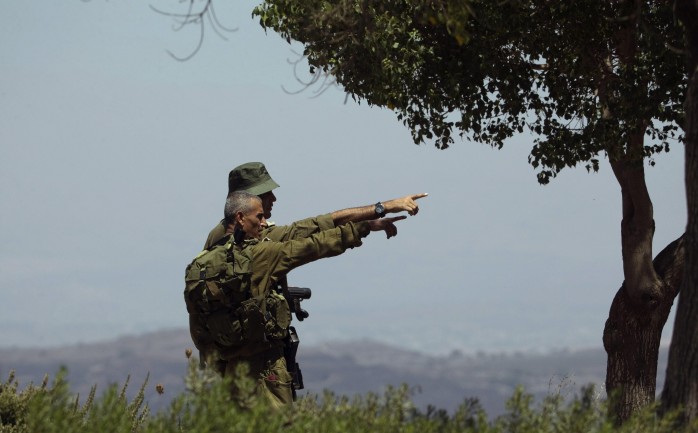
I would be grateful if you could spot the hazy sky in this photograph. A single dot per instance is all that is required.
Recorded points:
(113, 168)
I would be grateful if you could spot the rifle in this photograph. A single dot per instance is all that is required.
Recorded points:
(294, 296)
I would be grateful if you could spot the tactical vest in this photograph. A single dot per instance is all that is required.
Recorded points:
(223, 314)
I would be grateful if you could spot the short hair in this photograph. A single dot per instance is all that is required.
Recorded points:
(238, 201)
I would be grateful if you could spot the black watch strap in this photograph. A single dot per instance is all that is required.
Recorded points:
(380, 209)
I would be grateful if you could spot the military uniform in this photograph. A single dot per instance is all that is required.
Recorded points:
(297, 230)
(271, 258)
(269, 261)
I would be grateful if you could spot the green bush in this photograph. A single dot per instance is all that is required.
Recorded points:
(14, 404)
(206, 407)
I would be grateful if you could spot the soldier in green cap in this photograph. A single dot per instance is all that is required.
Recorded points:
(260, 262)
(251, 177)
(254, 178)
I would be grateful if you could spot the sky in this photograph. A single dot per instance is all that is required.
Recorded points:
(113, 168)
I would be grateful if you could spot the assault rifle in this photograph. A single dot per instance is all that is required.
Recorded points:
(294, 296)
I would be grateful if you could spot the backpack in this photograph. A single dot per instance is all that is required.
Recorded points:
(223, 314)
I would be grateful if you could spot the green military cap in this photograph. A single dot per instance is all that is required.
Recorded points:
(251, 177)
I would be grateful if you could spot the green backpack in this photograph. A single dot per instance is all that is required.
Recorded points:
(223, 314)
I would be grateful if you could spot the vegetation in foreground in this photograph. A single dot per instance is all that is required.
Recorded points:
(207, 407)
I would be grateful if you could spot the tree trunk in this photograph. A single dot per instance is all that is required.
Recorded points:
(681, 385)
(640, 308)
(633, 332)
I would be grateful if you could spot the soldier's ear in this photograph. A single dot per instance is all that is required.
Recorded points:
(239, 216)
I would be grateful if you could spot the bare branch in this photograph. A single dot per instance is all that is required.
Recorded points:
(325, 79)
(199, 17)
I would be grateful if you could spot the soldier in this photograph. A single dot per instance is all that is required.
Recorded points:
(268, 261)
(254, 178)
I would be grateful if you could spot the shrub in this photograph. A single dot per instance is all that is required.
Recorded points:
(14, 405)
(207, 407)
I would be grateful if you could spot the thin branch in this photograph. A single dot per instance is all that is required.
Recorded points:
(205, 14)
(325, 79)
(217, 23)
(196, 50)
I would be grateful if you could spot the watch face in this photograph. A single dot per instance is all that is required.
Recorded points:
(380, 209)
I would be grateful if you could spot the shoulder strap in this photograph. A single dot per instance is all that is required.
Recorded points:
(228, 238)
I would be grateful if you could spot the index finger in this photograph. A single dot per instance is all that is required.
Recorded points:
(397, 218)
(416, 196)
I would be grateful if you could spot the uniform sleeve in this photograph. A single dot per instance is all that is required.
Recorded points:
(300, 229)
(272, 260)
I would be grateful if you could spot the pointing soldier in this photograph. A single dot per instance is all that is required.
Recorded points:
(253, 178)
(251, 296)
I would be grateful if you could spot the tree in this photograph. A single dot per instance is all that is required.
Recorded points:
(681, 384)
(588, 79)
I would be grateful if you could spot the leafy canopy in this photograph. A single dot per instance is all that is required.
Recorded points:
(582, 77)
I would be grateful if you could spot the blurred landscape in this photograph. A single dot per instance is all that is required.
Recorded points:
(345, 368)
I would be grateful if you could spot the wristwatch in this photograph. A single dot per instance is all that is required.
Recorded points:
(380, 210)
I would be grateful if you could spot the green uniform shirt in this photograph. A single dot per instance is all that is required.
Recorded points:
(271, 260)
(297, 230)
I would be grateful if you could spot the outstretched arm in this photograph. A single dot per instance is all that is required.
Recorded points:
(276, 259)
(407, 203)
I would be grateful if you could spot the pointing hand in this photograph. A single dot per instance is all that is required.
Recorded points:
(407, 203)
(385, 224)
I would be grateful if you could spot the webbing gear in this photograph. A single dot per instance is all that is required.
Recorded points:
(223, 312)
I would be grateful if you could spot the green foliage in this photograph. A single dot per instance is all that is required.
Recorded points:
(582, 77)
(57, 410)
(206, 407)
(14, 404)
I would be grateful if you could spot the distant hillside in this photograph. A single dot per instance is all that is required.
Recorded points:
(345, 368)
